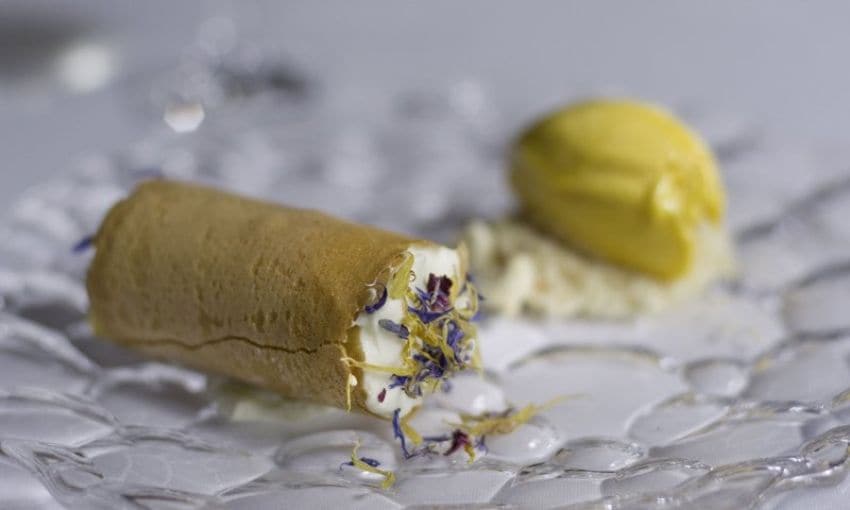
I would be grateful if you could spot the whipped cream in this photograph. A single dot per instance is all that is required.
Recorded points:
(383, 347)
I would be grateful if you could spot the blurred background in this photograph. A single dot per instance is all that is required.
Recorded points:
(85, 77)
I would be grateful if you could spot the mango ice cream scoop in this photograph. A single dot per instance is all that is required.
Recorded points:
(620, 180)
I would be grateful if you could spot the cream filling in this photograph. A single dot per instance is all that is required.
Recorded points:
(382, 347)
(520, 271)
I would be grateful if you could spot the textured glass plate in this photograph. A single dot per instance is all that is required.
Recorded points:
(740, 398)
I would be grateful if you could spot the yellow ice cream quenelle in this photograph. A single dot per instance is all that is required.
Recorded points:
(621, 180)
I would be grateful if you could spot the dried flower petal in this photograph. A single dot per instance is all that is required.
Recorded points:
(382, 299)
(397, 380)
(425, 316)
(438, 292)
(365, 460)
(399, 281)
(399, 329)
(83, 244)
(370, 466)
(399, 434)
(504, 423)
(459, 439)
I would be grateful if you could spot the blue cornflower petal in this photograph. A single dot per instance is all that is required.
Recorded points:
(427, 316)
(394, 327)
(83, 244)
(378, 304)
(397, 432)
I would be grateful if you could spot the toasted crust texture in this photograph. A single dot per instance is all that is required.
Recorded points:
(256, 291)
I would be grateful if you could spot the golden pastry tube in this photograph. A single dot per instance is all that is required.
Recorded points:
(292, 300)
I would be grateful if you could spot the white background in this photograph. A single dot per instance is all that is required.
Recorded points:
(783, 63)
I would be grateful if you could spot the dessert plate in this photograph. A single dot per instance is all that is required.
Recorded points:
(739, 398)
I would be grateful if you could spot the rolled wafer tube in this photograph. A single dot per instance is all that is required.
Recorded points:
(292, 300)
